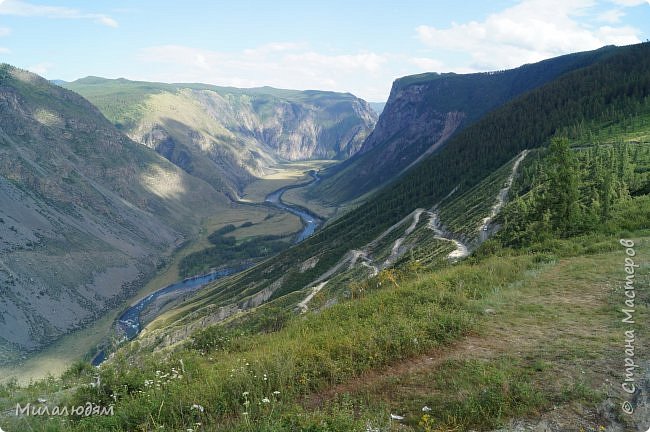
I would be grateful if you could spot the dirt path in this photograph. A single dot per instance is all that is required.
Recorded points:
(352, 257)
(365, 261)
(535, 318)
(315, 290)
(461, 250)
(394, 253)
(503, 194)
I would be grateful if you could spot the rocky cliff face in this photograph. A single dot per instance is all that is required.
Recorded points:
(228, 136)
(85, 212)
(404, 115)
(299, 131)
(409, 127)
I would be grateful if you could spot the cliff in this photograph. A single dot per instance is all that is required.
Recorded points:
(424, 111)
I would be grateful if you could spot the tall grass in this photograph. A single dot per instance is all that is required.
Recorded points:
(257, 380)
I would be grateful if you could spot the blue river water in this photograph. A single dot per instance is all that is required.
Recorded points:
(310, 221)
(129, 322)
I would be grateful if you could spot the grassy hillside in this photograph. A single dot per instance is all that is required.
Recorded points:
(478, 343)
(229, 136)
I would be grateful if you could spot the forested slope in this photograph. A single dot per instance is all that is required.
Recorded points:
(424, 111)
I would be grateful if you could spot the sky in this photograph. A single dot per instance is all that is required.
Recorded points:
(352, 46)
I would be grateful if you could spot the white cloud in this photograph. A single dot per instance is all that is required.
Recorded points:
(427, 64)
(284, 65)
(22, 8)
(630, 3)
(274, 47)
(362, 62)
(40, 68)
(530, 31)
(611, 16)
(107, 21)
(4, 50)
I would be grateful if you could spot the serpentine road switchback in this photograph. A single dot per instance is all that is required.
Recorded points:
(129, 324)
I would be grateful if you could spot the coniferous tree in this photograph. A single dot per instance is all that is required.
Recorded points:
(563, 194)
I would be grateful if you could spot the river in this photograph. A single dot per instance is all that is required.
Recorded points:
(129, 324)
(310, 221)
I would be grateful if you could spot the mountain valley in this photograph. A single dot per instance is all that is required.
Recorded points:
(89, 216)
(467, 273)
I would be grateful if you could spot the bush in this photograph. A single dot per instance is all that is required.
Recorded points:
(78, 369)
(214, 338)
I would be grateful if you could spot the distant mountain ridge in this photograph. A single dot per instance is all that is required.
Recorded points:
(377, 106)
(425, 110)
(226, 135)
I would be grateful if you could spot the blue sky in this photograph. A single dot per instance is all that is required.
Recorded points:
(354, 46)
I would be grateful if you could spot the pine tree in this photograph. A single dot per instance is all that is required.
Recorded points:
(563, 193)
